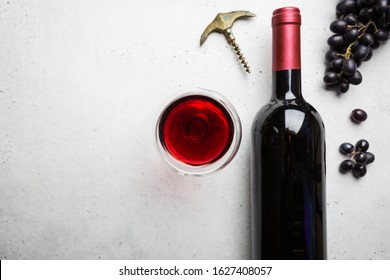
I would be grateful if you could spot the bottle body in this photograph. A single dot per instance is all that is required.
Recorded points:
(288, 174)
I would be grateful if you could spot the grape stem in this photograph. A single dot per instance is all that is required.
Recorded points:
(353, 154)
(348, 52)
(363, 30)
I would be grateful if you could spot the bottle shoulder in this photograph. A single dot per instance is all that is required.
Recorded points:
(277, 112)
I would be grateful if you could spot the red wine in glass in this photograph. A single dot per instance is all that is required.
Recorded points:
(198, 132)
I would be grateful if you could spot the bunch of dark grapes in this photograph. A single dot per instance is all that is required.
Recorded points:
(359, 158)
(361, 26)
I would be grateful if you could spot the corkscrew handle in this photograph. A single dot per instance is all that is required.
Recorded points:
(223, 23)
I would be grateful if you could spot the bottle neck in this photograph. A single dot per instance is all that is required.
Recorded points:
(286, 54)
(286, 84)
(286, 46)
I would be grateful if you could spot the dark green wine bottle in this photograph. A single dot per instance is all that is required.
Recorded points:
(288, 158)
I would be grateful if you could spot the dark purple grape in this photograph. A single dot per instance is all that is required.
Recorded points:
(346, 148)
(359, 170)
(369, 2)
(370, 54)
(345, 6)
(367, 39)
(366, 14)
(338, 26)
(355, 45)
(375, 45)
(358, 62)
(351, 35)
(388, 15)
(361, 52)
(370, 158)
(358, 116)
(360, 158)
(343, 87)
(381, 6)
(362, 145)
(381, 35)
(351, 19)
(346, 166)
(380, 20)
(330, 78)
(337, 63)
(336, 42)
(356, 78)
(330, 55)
(349, 66)
(364, 3)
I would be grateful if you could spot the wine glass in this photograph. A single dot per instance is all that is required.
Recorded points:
(198, 132)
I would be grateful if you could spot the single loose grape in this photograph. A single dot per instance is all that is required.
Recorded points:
(358, 115)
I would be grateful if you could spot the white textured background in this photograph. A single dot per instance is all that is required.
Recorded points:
(81, 86)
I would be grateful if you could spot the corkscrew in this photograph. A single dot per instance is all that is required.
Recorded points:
(223, 23)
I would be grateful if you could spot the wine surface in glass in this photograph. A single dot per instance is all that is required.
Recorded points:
(196, 130)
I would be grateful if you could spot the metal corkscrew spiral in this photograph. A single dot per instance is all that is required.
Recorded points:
(240, 55)
(223, 23)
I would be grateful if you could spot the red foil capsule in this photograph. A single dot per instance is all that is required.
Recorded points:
(286, 42)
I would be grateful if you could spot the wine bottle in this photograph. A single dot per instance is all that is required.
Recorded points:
(288, 158)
